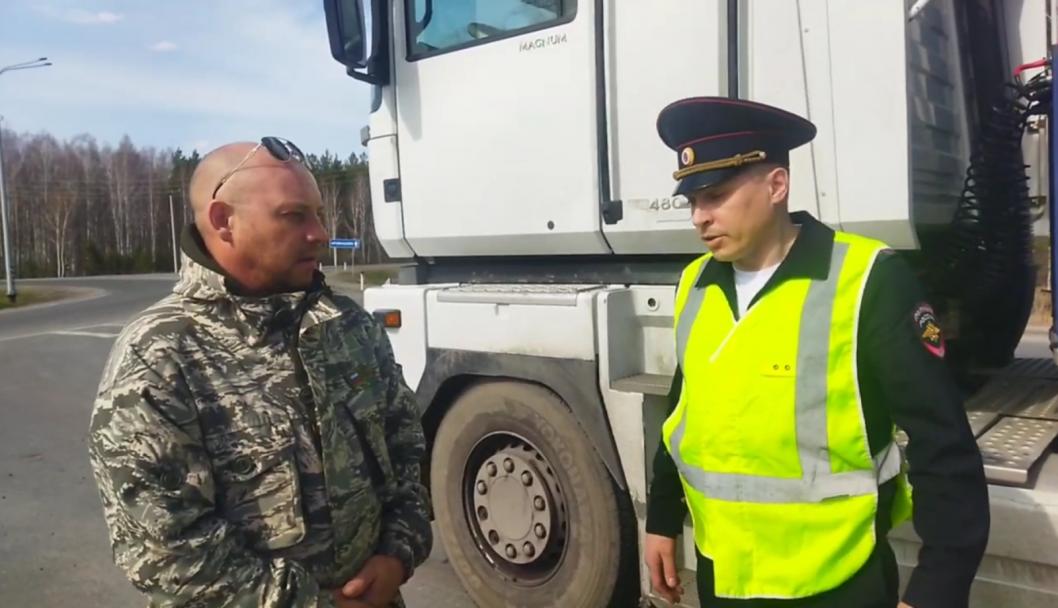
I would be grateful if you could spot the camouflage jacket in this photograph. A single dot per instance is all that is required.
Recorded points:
(256, 451)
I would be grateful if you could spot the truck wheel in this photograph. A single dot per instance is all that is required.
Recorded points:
(526, 509)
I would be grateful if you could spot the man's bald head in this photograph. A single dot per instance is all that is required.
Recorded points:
(263, 226)
(251, 175)
(213, 167)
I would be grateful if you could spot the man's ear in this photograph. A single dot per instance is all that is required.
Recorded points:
(779, 184)
(220, 216)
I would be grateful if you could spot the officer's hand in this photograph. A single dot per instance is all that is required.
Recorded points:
(904, 605)
(660, 556)
(377, 583)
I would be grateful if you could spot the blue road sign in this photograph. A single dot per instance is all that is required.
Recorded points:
(345, 243)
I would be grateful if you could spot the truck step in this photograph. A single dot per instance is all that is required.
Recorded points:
(1011, 447)
(648, 384)
(1015, 419)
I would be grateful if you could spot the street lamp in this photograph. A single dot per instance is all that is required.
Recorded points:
(26, 65)
(11, 294)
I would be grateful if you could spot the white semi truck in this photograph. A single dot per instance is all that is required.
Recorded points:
(516, 168)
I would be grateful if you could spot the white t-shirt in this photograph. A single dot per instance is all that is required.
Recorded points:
(748, 284)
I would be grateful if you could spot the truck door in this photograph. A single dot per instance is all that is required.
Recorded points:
(496, 110)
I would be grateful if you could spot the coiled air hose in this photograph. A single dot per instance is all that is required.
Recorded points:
(985, 264)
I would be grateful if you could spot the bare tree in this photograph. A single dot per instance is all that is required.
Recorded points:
(90, 229)
(59, 208)
(151, 156)
(122, 166)
(331, 178)
(360, 213)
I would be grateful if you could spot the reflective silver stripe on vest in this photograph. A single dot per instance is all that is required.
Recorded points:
(817, 482)
(689, 313)
(813, 358)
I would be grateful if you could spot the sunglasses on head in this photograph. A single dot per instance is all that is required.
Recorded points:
(281, 149)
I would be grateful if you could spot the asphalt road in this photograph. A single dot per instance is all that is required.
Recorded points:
(53, 544)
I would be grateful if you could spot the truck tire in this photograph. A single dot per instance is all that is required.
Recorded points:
(528, 513)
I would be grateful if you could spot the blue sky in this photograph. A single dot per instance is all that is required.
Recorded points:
(179, 73)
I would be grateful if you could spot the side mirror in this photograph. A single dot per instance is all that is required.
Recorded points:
(347, 31)
(345, 28)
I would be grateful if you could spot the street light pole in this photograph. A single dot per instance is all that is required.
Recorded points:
(172, 228)
(11, 294)
(8, 265)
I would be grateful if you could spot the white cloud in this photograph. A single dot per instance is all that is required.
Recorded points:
(104, 17)
(83, 17)
(163, 47)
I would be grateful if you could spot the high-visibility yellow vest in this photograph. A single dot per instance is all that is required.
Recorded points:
(769, 434)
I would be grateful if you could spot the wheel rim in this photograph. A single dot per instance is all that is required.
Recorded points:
(515, 508)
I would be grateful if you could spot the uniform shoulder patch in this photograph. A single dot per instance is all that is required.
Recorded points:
(927, 327)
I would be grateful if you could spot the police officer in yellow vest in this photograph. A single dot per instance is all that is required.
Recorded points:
(799, 349)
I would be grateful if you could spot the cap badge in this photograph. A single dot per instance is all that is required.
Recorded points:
(687, 156)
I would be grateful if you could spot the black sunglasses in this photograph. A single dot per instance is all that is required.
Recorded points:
(281, 149)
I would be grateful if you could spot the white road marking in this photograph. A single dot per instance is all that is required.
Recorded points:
(73, 331)
(90, 334)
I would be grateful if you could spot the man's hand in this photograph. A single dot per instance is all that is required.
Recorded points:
(904, 605)
(341, 601)
(377, 583)
(660, 557)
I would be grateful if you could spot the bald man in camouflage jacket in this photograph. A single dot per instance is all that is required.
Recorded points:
(253, 439)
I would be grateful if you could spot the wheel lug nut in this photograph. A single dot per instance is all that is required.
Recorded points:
(490, 468)
(482, 488)
(527, 478)
(512, 552)
(483, 513)
(494, 538)
(529, 549)
(540, 531)
(508, 465)
(538, 503)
